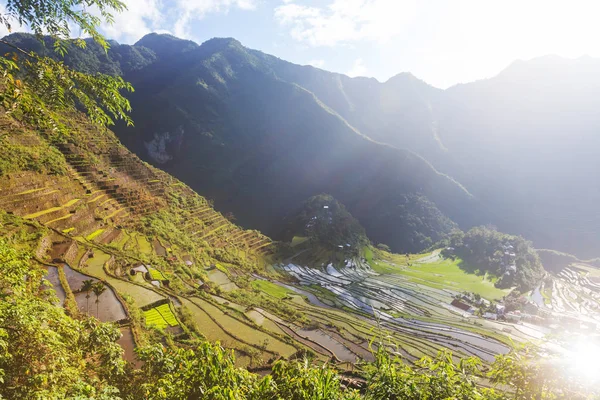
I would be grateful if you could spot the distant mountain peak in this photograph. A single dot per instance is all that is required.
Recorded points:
(217, 44)
(402, 76)
(164, 44)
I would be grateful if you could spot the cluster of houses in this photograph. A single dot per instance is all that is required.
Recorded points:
(530, 313)
(470, 305)
(153, 275)
(509, 266)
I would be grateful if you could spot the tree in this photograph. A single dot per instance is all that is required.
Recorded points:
(98, 288)
(87, 286)
(44, 353)
(41, 90)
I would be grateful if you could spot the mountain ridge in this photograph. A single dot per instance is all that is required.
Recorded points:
(475, 134)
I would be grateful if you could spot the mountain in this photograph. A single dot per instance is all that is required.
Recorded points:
(83, 217)
(325, 222)
(524, 143)
(259, 135)
(224, 119)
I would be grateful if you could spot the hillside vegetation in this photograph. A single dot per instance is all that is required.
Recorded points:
(510, 258)
(118, 281)
(260, 145)
(326, 222)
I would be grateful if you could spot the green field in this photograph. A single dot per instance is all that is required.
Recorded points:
(156, 275)
(161, 317)
(272, 289)
(143, 244)
(442, 273)
(250, 335)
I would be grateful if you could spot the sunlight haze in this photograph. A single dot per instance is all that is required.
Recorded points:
(441, 42)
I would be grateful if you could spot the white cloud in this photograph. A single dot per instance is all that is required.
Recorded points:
(346, 21)
(167, 16)
(317, 63)
(190, 10)
(140, 18)
(358, 68)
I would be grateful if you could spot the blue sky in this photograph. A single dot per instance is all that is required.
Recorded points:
(442, 42)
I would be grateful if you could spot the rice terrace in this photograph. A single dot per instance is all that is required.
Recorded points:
(184, 221)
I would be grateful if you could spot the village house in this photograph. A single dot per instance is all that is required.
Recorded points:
(462, 306)
(489, 315)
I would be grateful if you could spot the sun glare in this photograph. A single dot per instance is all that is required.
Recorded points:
(583, 360)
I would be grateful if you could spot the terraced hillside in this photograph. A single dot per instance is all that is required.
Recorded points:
(125, 242)
(103, 215)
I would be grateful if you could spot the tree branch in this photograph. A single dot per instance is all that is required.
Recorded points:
(20, 50)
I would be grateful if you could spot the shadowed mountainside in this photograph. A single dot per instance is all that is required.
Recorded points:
(260, 135)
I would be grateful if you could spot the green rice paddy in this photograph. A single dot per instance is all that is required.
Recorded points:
(94, 234)
(156, 274)
(443, 274)
(271, 289)
(161, 317)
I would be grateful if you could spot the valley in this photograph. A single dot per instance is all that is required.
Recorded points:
(171, 269)
(345, 248)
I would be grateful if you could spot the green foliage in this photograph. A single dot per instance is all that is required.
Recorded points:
(165, 224)
(40, 90)
(431, 379)
(43, 352)
(207, 372)
(17, 278)
(42, 159)
(486, 249)
(303, 381)
(327, 222)
(52, 17)
(413, 220)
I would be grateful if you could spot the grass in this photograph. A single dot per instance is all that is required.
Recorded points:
(144, 245)
(51, 210)
(94, 234)
(368, 253)
(59, 219)
(383, 267)
(222, 268)
(271, 288)
(156, 274)
(161, 317)
(445, 274)
(96, 198)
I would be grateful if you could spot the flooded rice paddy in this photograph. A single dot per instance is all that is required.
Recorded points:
(105, 307)
(413, 311)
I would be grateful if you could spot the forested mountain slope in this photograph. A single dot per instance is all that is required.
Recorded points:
(219, 117)
(260, 135)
